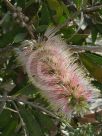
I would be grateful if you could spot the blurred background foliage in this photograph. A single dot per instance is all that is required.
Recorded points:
(27, 113)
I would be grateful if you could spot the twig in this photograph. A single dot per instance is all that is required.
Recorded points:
(22, 122)
(87, 10)
(92, 9)
(29, 28)
(35, 105)
(76, 48)
(7, 108)
(11, 7)
(2, 105)
(6, 49)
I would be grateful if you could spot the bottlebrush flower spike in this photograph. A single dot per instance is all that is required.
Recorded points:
(52, 69)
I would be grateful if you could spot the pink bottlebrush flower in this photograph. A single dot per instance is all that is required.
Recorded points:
(52, 69)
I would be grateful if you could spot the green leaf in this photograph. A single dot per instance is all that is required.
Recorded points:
(41, 28)
(4, 118)
(42, 118)
(10, 129)
(28, 90)
(94, 33)
(8, 37)
(93, 63)
(29, 3)
(99, 28)
(78, 4)
(32, 125)
(19, 37)
(44, 14)
(55, 6)
(21, 3)
(65, 9)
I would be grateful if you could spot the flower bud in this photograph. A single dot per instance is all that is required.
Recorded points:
(26, 19)
(14, 14)
(23, 24)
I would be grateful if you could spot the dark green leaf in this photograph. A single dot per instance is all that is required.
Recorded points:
(32, 125)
